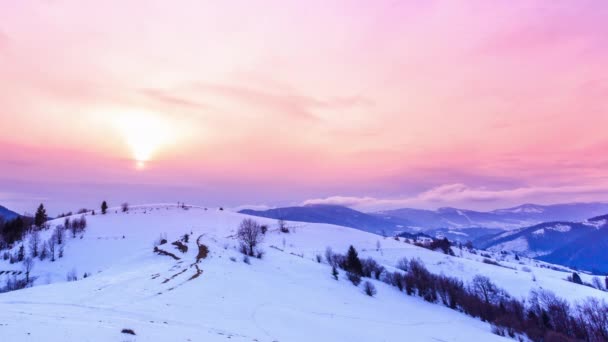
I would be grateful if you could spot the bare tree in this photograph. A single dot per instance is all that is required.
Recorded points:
(598, 284)
(52, 245)
(34, 243)
(28, 265)
(282, 226)
(250, 235)
(59, 234)
(485, 288)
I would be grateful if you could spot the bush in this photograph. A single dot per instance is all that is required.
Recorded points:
(203, 252)
(369, 289)
(246, 260)
(354, 278)
(180, 246)
(128, 331)
(72, 275)
(490, 262)
(403, 264)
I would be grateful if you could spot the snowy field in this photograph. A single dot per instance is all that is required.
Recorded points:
(287, 296)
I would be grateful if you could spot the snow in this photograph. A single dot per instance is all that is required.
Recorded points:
(562, 228)
(539, 232)
(286, 296)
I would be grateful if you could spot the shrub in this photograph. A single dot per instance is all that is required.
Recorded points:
(72, 275)
(334, 272)
(180, 246)
(354, 278)
(319, 258)
(128, 331)
(490, 262)
(369, 289)
(246, 260)
(403, 264)
(203, 251)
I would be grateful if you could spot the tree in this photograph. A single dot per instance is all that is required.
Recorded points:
(577, 278)
(52, 245)
(353, 263)
(369, 289)
(58, 235)
(485, 289)
(44, 251)
(40, 217)
(34, 242)
(334, 272)
(124, 207)
(28, 264)
(354, 278)
(282, 226)
(21, 253)
(250, 235)
(597, 283)
(104, 207)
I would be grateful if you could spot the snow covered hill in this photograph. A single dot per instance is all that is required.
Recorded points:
(285, 296)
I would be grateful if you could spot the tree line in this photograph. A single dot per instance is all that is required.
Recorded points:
(543, 317)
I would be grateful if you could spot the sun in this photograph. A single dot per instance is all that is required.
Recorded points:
(144, 133)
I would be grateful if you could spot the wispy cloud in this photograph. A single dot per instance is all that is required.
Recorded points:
(464, 196)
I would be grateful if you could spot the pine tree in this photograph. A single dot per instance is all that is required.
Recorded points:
(104, 207)
(40, 217)
(21, 253)
(576, 278)
(353, 263)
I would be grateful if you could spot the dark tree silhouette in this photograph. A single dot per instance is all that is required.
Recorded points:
(104, 207)
(353, 263)
(40, 217)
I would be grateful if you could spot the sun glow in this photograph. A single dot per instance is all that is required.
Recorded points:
(145, 134)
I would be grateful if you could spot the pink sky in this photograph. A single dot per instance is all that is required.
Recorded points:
(477, 104)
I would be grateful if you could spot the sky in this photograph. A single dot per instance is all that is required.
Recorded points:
(371, 104)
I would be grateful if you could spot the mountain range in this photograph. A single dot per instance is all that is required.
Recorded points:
(579, 245)
(396, 221)
(139, 275)
(7, 214)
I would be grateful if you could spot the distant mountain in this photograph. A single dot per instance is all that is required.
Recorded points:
(464, 234)
(6, 214)
(579, 245)
(511, 218)
(587, 252)
(333, 214)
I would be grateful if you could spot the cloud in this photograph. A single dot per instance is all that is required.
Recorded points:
(471, 197)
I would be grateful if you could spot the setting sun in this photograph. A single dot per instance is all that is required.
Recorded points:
(144, 133)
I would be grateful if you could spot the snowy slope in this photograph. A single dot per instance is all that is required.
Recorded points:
(287, 296)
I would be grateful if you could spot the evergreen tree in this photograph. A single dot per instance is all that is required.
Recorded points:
(334, 272)
(353, 263)
(40, 217)
(21, 253)
(104, 207)
(576, 278)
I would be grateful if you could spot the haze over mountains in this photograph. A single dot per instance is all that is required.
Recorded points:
(407, 219)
